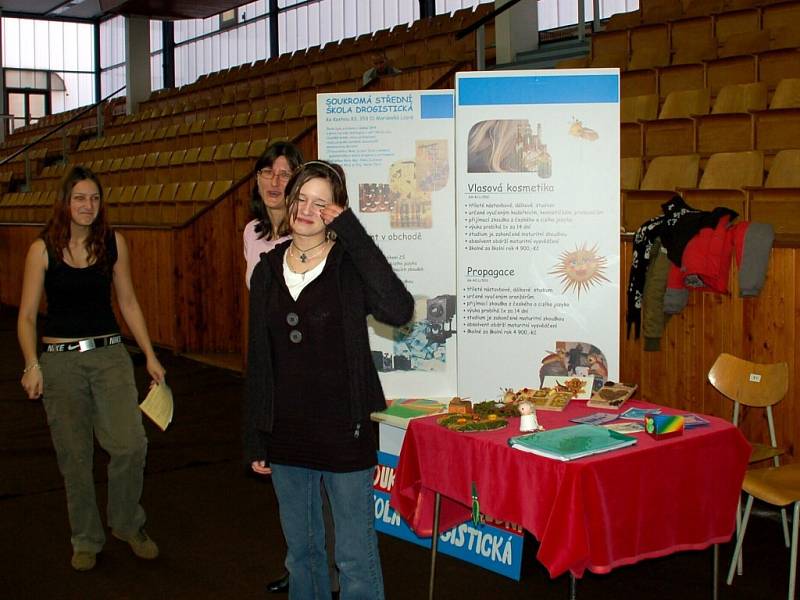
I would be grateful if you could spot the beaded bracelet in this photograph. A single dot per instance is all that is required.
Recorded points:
(31, 368)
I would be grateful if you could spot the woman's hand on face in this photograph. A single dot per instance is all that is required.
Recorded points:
(330, 212)
(260, 467)
(33, 383)
(155, 369)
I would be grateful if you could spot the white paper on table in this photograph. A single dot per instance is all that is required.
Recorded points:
(158, 405)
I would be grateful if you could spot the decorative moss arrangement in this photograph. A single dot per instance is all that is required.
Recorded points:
(472, 423)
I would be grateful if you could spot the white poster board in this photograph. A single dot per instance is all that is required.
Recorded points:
(397, 151)
(538, 208)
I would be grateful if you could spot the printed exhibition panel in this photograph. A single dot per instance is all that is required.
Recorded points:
(492, 545)
(538, 210)
(397, 150)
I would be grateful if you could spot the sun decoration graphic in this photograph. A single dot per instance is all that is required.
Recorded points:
(580, 269)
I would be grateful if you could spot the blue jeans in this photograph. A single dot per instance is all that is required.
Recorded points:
(356, 551)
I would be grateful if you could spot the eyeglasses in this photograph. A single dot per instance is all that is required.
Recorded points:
(269, 174)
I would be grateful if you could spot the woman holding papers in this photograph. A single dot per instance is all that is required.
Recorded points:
(268, 202)
(311, 383)
(85, 375)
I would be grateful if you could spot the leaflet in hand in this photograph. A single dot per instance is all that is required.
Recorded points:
(158, 405)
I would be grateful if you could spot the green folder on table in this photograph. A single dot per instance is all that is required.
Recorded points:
(569, 443)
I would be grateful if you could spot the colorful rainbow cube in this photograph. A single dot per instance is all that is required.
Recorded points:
(663, 426)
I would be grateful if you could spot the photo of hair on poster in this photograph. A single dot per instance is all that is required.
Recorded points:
(412, 212)
(579, 130)
(432, 167)
(508, 146)
(580, 269)
(375, 197)
(578, 359)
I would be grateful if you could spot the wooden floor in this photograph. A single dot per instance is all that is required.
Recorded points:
(218, 527)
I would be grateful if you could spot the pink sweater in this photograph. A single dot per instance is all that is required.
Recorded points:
(254, 247)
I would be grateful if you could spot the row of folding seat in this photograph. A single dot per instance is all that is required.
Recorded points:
(258, 92)
(769, 67)
(696, 39)
(151, 204)
(426, 40)
(262, 124)
(732, 179)
(223, 161)
(740, 120)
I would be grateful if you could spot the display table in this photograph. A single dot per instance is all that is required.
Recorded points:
(595, 513)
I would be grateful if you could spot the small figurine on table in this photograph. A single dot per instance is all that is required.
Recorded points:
(528, 421)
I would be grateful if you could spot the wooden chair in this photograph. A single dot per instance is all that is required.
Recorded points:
(779, 127)
(777, 202)
(673, 132)
(725, 179)
(731, 69)
(779, 486)
(663, 177)
(729, 127)
(630, 173)
(753, 385)
(638, 108)
(746, 42)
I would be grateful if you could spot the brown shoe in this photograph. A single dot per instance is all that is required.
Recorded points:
(141, 544)
(83, 560)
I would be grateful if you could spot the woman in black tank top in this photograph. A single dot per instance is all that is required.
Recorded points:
(85, 376)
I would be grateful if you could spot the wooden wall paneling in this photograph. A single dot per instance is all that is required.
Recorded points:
(778, 207)
(152, 271)
(208, 286)
(14, 243)
(761, 328)
(772, 316)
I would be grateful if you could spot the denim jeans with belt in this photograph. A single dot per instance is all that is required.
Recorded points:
(356, 551)
(87, 394)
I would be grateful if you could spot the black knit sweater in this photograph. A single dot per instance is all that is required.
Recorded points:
(367, 286)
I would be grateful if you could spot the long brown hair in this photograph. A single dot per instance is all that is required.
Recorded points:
(56, 234)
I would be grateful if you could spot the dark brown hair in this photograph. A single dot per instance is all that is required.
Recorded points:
(313, 169)
(257, 209)
(57, 231)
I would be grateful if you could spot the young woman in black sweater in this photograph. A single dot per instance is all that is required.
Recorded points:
(311, 383)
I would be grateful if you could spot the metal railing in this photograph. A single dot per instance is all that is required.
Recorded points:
(26, 148)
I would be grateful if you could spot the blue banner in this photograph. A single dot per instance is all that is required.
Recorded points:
(486, 546)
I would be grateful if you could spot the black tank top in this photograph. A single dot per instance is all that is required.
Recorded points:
(79, 299)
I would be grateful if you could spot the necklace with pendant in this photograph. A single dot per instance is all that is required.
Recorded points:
(303, 257)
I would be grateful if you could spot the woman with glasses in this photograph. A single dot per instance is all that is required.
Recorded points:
(311, 383)
(268, 203)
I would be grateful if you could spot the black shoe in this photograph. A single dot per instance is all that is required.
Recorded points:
(279, 586)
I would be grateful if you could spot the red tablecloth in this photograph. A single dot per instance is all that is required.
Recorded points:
(596, 513)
